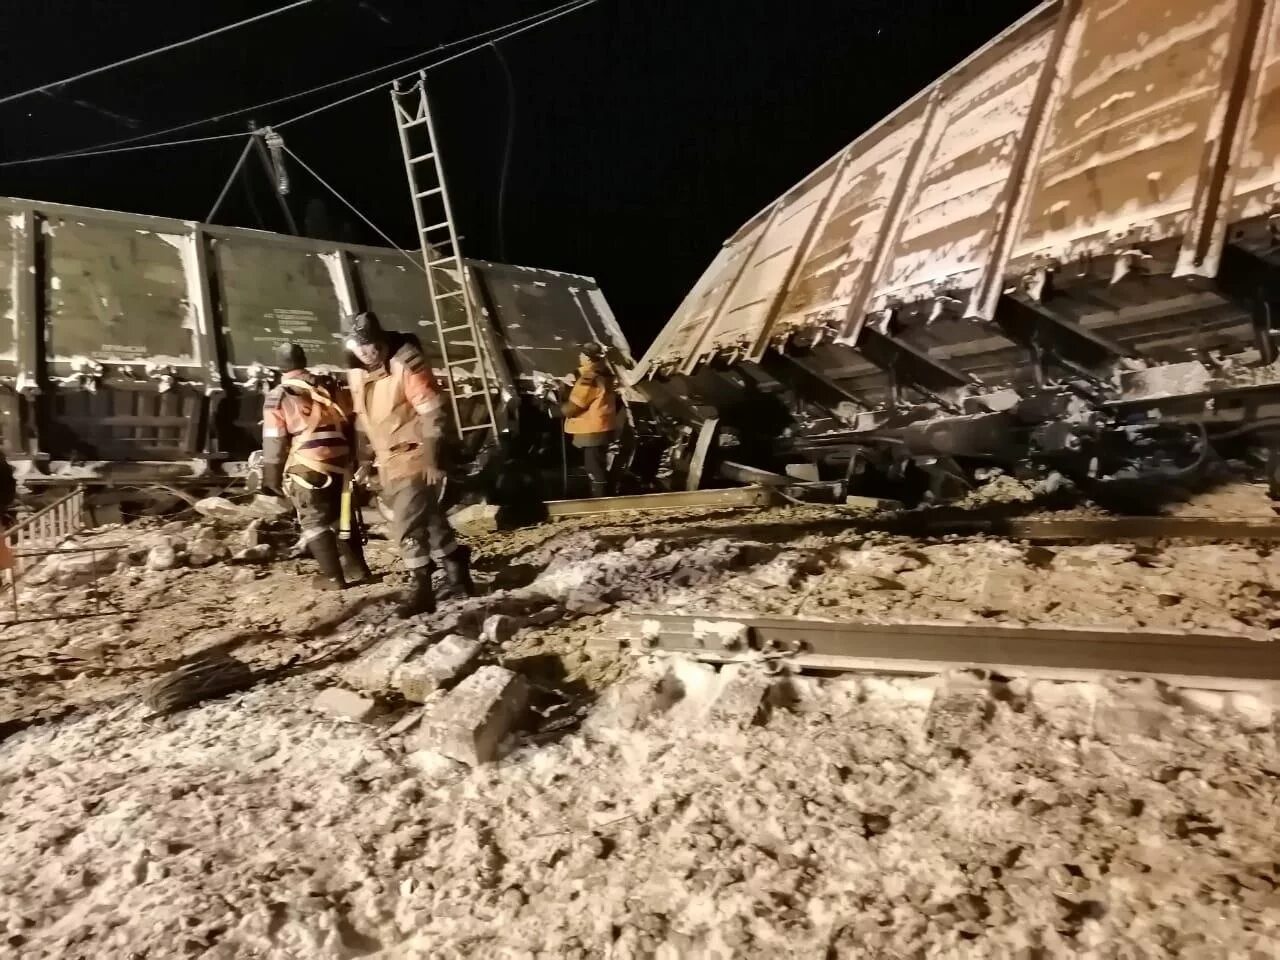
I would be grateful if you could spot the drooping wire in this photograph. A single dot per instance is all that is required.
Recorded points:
(352, 207)
(177, 128)
(581, 4)
(506, 152)
(155, 52)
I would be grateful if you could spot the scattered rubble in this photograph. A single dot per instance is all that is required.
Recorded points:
(499, 788)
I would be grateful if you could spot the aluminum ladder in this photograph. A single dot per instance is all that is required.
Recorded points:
(447, 286)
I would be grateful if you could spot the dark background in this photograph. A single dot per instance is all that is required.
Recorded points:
(645, 131)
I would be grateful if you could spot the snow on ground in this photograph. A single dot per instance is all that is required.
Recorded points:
(861, 818)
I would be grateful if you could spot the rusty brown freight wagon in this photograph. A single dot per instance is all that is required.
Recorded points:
(137, 348)
(1061, 253)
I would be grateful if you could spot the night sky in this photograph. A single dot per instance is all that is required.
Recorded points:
(646, 131)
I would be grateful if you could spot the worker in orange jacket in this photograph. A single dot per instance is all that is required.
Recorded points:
(308, 452)
(591, 414)
(400, 410)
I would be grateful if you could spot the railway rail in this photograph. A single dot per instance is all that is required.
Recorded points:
(1040, 529)
(1207, 661)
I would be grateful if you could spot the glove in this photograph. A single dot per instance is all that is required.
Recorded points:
(363, 474)
(273, 479)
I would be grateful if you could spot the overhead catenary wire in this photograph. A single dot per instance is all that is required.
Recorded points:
(580, 5)
(154, 52)
(354, 209)
(94, 149)
(138, 146)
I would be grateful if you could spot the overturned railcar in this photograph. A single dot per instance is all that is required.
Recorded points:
(1063, 254)
(138, 349)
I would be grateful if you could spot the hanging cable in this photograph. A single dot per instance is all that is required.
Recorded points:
(235, 171)
(89, 150)
(506, 152)
(439, 63)
(352, 207)
(151, 53)
(139, 146)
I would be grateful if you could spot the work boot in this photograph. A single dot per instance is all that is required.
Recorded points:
(599, 488)
(457, 576)
(325, 550)
(354, 566)
(419, 598)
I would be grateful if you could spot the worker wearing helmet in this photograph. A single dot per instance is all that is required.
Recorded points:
(591, 414)
(400, 410)
(307, 453)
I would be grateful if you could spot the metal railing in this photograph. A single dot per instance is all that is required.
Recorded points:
(44, 529)
(40, 536)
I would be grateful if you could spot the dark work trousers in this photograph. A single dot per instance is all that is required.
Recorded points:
(318, 509)
(418, 524)
(595, 459)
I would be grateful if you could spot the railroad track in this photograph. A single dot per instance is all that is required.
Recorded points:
(1197, 660)
(1067, 529)
(943, 522)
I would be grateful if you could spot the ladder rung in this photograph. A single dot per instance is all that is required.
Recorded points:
(468, 396)
(422, 156)
(446, 296)
(439, 260)
(428, 193)
(412, 123)
(435, 226)
(463, 361)
(478, 426)
(455, 329)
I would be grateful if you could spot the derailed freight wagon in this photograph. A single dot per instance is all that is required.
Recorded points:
(138, 349)
(1063, 253)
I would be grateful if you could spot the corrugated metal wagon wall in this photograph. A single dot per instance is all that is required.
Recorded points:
(1114, 152)
(136, 347)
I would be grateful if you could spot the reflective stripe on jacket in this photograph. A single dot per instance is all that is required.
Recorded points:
(399, 407)
(306, 424)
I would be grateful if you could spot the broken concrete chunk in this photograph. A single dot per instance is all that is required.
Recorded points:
(477, 519)
(373, 672)
(499, 628)
(447, 662)
(206, 552)
(344, 704)
(473, 718)
(162, 557)
(959, 711)
(1131, 710)
(740, 698)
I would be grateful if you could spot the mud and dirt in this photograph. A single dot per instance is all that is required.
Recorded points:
(945, 817)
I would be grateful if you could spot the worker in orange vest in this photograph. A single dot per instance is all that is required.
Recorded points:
(308, 451)
(591, 414)
(400, 409)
